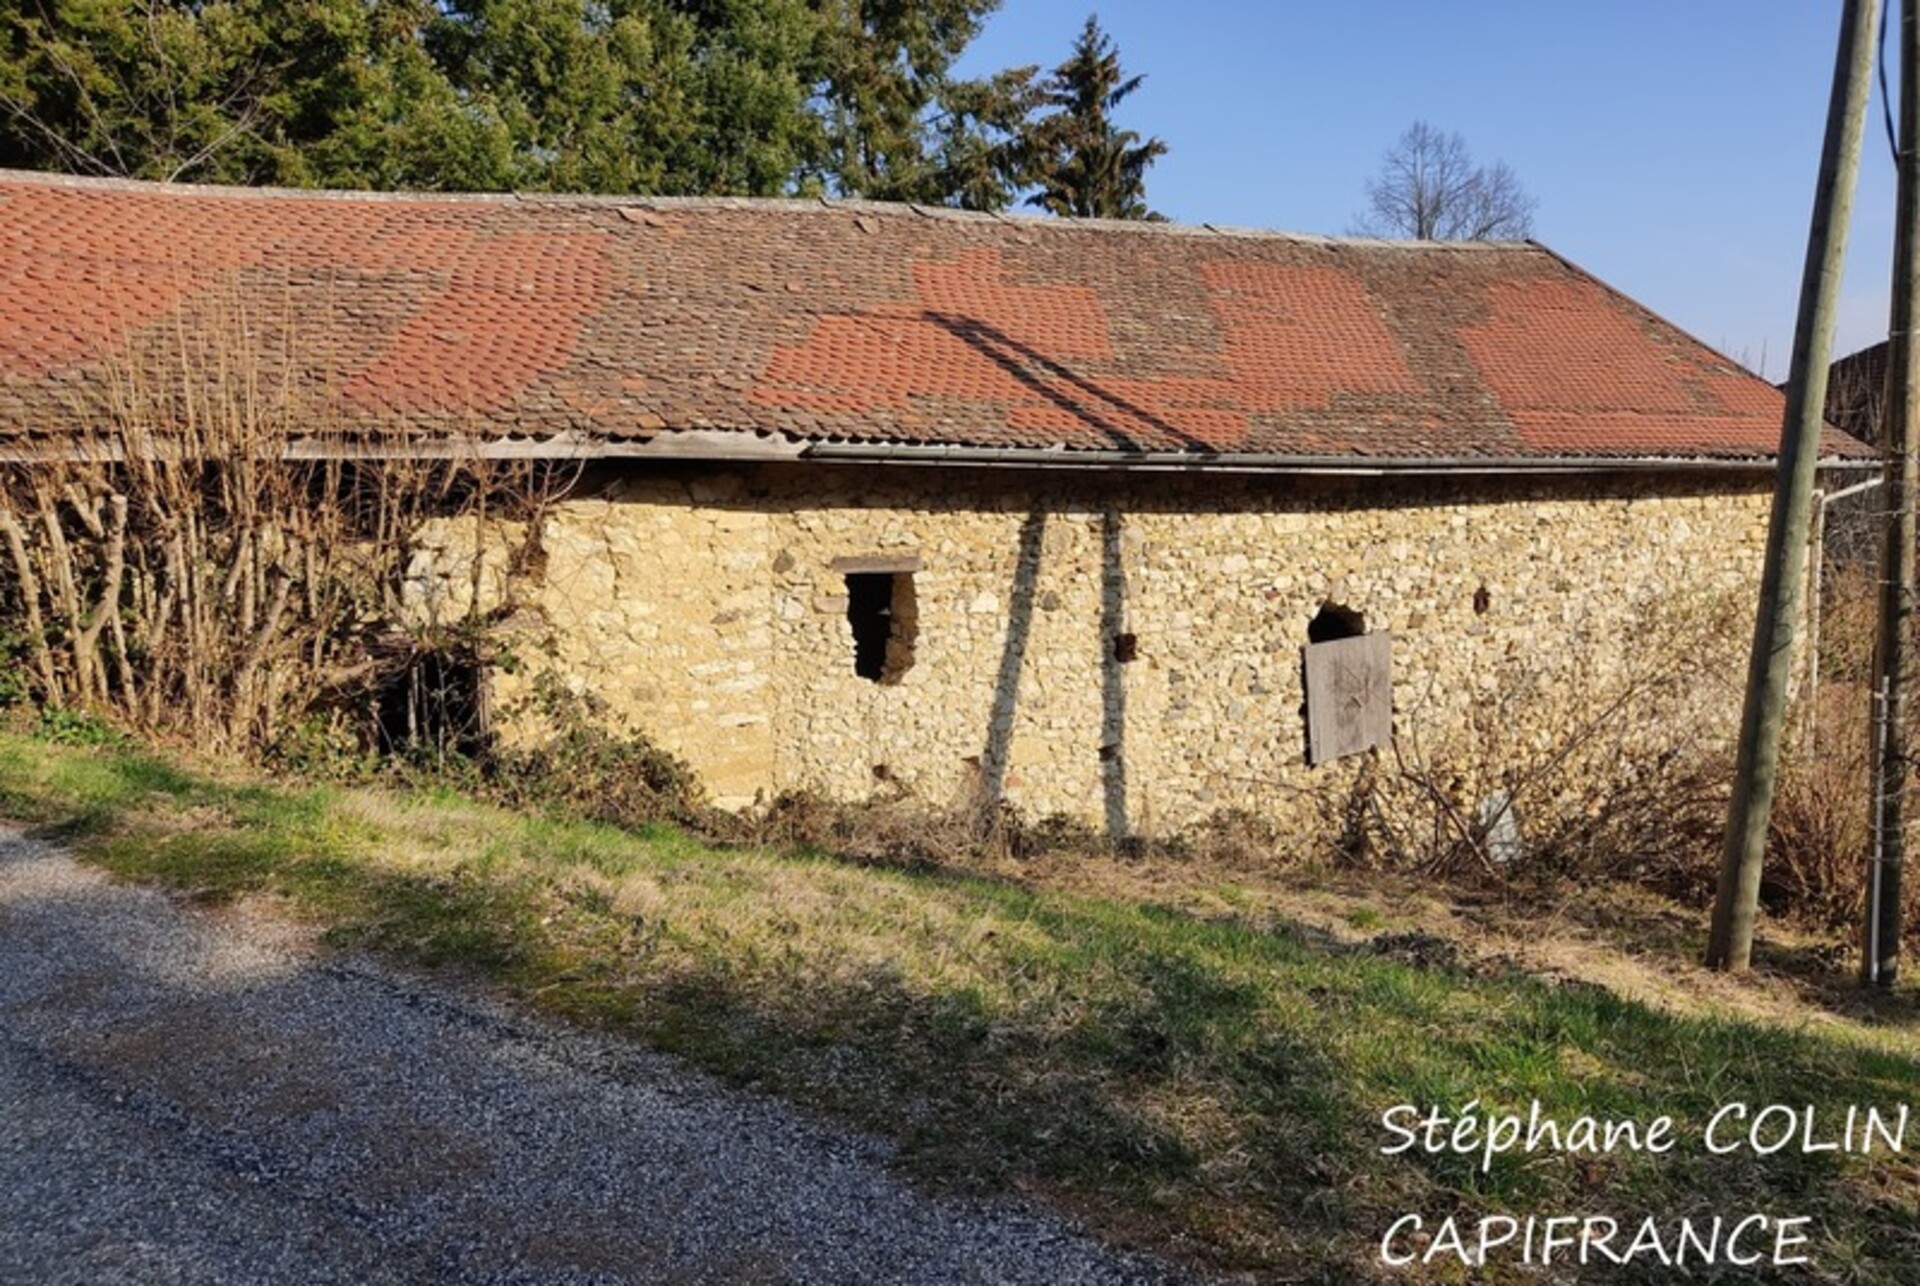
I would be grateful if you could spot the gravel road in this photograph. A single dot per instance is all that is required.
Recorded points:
(191, 1096)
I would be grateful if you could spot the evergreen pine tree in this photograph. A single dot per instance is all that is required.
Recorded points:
(694, 97)
(897, 125)
(1082, 163)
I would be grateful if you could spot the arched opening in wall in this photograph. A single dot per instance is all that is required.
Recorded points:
(1335, 622)
(434, 700)
(884, 614)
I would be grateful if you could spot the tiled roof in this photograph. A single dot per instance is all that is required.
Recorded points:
(616, 320)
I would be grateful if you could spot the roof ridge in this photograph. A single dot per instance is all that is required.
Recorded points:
(791, 204)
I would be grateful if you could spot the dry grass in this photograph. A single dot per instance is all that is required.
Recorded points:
(1629, 940)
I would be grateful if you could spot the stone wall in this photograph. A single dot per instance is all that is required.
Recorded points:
(709, 608)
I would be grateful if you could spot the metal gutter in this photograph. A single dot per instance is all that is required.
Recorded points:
(731, 446)
(699, 444)
(1274, 462)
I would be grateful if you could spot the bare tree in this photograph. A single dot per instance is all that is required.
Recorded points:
(1429, 188)
(218, 556)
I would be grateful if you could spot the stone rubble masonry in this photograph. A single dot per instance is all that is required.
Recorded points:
(701, 605)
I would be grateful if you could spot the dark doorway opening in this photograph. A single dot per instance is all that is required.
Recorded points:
(881, 610)
(436, 702)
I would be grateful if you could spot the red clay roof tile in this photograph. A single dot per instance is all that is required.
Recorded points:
(858, 323)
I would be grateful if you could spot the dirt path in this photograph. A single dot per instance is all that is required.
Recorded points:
(204, 1097)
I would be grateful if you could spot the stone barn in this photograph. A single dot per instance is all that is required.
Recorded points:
(1137, 523)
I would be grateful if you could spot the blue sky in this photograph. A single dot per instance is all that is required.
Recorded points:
(1672, 146)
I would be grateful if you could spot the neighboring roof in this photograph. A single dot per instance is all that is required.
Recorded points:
(620, 321)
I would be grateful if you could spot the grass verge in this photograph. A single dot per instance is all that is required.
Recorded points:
(1207, 1085)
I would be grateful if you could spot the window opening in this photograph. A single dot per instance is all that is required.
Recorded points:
(881, 610)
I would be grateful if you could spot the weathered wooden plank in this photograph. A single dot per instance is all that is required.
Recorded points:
(1349, 696)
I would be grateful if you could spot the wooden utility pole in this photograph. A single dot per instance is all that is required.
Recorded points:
(1783, 579)
(1893, 641)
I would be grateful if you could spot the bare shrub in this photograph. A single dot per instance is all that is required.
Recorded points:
(1238, 839)
(1627, 786)
(894, 827)
(1820, 838)
(1843, 649)
(1817, 836)
(588, 769)
(1571, 771)
(209, 555)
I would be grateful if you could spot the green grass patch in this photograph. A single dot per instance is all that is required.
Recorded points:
(1205, 1086)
